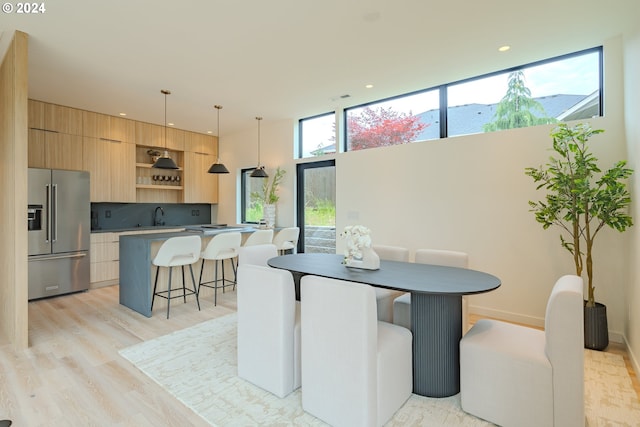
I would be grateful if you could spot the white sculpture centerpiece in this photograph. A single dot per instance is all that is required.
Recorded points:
(358, 252)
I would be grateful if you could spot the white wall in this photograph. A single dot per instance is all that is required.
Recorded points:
(632, 125)
(467, 193)
(240, 151)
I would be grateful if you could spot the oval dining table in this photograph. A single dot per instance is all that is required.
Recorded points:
(436, 308)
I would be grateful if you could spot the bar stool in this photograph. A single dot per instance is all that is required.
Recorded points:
(174, 252)
(259, 237)
(222, 246)
(286, 239)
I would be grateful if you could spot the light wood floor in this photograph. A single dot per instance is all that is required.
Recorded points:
(72, 374)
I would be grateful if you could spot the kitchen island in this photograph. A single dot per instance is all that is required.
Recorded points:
(137, 274)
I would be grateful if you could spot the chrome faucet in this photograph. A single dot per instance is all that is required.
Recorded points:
(157, 221)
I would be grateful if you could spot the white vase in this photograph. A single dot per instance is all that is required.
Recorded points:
(269, 214)
(370, 260)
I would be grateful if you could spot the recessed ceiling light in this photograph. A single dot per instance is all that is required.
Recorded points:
(369, 86)
(170, 124)
(209, 131)
(504, 48)
(123, 114)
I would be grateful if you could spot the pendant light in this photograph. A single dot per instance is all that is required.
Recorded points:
(164, 161)
(218, 167)
(259, 171)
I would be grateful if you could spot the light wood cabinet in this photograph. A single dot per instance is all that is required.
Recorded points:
(112, 168)
(112, 128)
(36, 114)
(54, 118)
(104, 256)
(154, 136)
(199, 185)
(54, 136)
(200, 143)
(63, 119)
(114, 151)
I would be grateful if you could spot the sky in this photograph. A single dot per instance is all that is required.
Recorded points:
(574, 76)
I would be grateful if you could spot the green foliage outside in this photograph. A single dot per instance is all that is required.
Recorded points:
(269, 193)
(517, 107)
(322, 213)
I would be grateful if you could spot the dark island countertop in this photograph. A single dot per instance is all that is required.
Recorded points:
(136, 253)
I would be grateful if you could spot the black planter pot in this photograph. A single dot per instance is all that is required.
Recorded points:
(596, 330)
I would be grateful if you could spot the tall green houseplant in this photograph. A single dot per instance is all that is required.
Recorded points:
(580, 199)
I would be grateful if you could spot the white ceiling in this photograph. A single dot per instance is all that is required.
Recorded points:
(287, 59)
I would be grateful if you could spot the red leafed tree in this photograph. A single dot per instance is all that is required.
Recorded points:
(381, 128)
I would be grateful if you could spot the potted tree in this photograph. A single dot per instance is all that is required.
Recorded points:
(268, 197)
(581, 200)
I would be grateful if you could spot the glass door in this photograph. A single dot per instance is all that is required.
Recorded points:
(316, 198)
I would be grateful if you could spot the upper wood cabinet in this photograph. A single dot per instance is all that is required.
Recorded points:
(36, 114)
(154, 136)
(200, 143)
(111, 165)
(55, 139)
(108, 127)
(199, 185)
(54, 118)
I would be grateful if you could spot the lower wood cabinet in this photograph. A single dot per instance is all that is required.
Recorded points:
(104, 255)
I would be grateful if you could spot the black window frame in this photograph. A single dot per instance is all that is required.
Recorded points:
(301, 140)
(443, 90)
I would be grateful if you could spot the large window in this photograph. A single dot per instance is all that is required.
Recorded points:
(394, 121)
(318, 135)
(251, 208)
(558, 89)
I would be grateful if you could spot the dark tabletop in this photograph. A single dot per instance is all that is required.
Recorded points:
(404, 276)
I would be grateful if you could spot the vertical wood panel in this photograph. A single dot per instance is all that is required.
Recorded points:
(13, 191)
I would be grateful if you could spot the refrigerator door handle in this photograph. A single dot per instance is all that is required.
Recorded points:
(54, 212)
(48, 218)
(49, 257)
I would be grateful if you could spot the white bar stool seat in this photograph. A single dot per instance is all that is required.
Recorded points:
(177, 252)
(221, 247)
(286, 239)
(259, 237)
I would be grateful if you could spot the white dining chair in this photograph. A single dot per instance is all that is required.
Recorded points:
(257, 255)
(356, 370)
(385, 297)
(402, 304)
(513, 375)
(268, 329)
(259, 237)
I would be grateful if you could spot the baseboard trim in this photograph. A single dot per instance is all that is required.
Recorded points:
(632, 357)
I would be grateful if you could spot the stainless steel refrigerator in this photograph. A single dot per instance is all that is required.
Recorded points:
(59, 215)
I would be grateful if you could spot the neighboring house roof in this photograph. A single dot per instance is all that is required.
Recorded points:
(470, 118)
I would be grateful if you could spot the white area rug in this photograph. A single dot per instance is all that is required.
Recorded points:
(198, 366)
